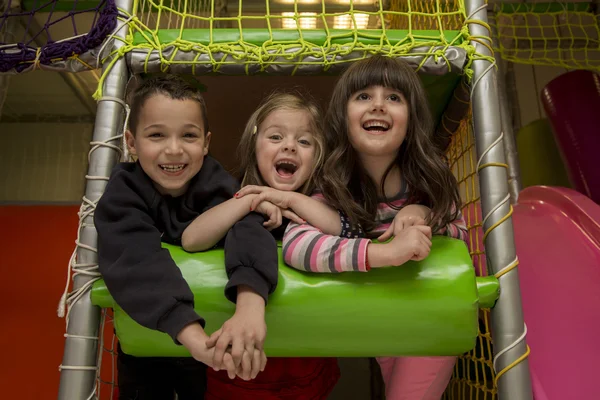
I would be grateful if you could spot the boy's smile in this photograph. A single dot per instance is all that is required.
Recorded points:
(170, 142)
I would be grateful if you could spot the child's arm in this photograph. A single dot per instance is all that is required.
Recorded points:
(313, 210)
(251, 263)
(456, 229)
(248, 322)
(212, 225)
(140, 275)
(306, 248)
(415, 214)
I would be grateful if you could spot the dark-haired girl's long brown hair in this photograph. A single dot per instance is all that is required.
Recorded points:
(427, 176)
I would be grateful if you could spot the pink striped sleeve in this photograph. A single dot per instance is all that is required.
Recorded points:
(456, 229)
(306, 248)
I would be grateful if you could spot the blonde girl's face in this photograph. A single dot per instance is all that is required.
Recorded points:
(285, 149)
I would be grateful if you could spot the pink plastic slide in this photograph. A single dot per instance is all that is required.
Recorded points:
(557, 234)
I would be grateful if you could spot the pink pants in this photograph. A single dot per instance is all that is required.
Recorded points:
(415, 378)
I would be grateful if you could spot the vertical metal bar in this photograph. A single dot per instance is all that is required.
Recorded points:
(78, 373)
(510, 144)
(507, 315)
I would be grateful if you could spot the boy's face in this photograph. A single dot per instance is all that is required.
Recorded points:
(170, 142)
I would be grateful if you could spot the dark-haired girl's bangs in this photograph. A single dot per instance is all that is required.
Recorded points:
(381, 71)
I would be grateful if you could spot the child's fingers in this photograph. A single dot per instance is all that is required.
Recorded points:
(387, 234)
(422, 251)
(250, 189)
(292, 216)
(419, 221)
(246, 366)
(212, 340)
(237, 351)
(426, 230)
(257, 200)
(277, 216)
(229, 366)
(274, 218)
(256, 363)
(263, 360)
(426, 241)
(220, 349)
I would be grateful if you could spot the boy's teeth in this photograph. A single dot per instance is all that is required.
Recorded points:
(172, 168)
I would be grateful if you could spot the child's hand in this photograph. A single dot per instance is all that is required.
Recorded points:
(412, 243)
(408, 216)
(245, 332)
(249, 367)
(193, 338)
(274, 213)
(280, 198)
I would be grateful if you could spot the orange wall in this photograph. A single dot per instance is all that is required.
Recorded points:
(35, 246)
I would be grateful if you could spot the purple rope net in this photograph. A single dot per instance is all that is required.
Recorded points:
(99, 19)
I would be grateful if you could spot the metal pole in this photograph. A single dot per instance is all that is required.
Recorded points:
(512, 157)
(78, 369)
(507, 315)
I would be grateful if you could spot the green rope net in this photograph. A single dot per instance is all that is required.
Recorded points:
(554, 34)
(292, 37)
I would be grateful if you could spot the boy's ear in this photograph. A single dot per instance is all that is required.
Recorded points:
(130, 140)
(207, 142)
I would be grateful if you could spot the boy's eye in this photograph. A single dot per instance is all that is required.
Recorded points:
(155, 135)
(190, 135)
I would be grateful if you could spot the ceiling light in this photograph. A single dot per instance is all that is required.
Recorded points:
(345, 21)
(307, 20)
(300, 1)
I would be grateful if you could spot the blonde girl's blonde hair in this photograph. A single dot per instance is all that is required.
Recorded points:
(279, 100)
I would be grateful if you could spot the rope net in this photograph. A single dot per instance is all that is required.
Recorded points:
(554, 34)
(287, 36)
(427, 15)
(473, 376)
(52, 34)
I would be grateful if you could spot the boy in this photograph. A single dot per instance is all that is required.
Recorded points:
(154, 200)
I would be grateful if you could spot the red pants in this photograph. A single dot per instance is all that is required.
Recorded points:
(282, 379)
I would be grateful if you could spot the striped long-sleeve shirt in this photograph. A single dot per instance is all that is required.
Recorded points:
(307, 248)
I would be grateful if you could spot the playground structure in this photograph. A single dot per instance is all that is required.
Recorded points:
(448, 42)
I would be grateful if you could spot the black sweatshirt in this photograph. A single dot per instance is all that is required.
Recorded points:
(132, 218)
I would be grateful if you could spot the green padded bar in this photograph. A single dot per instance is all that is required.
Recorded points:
(260, 36)
(421, 308)
(488, 290)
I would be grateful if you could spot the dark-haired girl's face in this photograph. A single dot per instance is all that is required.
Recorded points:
(377, 120)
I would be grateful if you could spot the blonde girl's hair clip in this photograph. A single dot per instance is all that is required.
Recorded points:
(254, 130)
